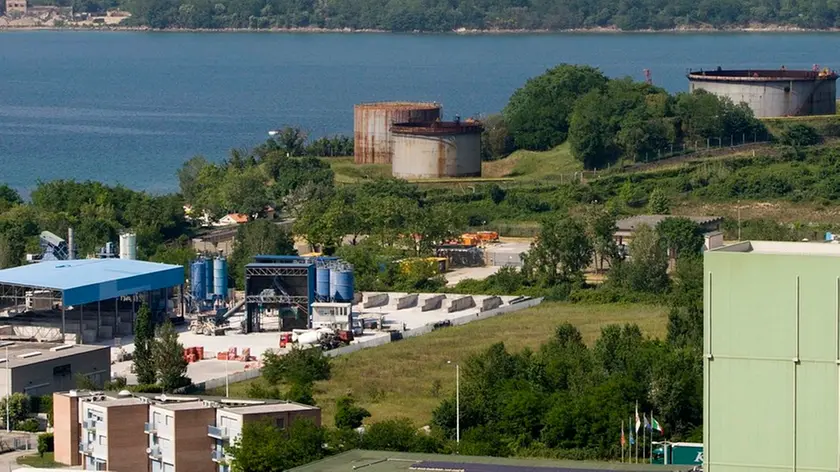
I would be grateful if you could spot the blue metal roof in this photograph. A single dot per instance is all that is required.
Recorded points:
(90, 280)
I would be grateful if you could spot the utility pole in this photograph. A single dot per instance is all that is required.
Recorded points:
(9, 383)
(457, 402)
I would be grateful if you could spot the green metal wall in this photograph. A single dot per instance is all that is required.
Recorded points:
(771, 362)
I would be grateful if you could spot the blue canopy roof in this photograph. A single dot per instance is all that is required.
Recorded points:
(91, 280)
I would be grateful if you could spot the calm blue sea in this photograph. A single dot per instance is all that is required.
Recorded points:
(131, 107)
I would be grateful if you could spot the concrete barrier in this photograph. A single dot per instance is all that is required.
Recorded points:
(460, 304)
(407, 301)
(374, 301)
(433, 303)
(491, 303)
(377, 341)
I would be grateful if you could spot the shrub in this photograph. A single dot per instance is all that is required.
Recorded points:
(799, 134)
(146, 388)
(46, 443)
(30, 425)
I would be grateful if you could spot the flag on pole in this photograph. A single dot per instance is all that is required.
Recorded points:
(638, 421)
(647, 425)
(656, 426)
(623, 439)
(632, 440)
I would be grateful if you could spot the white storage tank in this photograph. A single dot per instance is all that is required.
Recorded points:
(437, 149)
(128, 246)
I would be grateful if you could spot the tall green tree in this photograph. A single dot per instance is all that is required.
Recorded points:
(591, 136)
(560, 252)
(601, 228)
(168, 355)
(257, 237)
(681, 236)
(658, 203)
(348, 415)
(144, 333)
(538, 114)
(263, 446)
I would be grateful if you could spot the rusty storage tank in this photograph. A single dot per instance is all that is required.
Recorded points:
(372, 127)
(772, 93)
(436, 149)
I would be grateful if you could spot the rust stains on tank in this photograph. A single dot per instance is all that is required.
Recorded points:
(372, 127)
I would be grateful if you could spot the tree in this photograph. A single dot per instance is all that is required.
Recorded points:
(19, 407)
(496, 142)
(799, 134)
(190, 178)
(537, 114)
(590, 135)
(397, 434)
(144, 363)
(290, 140)
(601, 230)
(245, 191)
(298, 366)
(647, 269)
(658, 203)
(264, 446)
(560, 252)
(169, 359)
(257, 237)
(681, 236)
(301, 392)
(685, 320)
(348, 415)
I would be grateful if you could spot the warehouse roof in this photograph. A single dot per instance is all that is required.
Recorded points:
(815, 248)
(381, 461)
(91, 280)
(633, 222)
(26, 353)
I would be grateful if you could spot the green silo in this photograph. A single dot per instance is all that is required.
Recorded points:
(771, 357)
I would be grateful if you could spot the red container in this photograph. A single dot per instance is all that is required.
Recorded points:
(222, 356)
(200, 352)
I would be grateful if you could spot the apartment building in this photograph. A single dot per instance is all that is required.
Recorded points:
(126, 432)
(111, 431)
(230, 420)
(178, 438)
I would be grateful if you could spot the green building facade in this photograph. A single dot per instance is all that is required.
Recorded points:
(771, 357)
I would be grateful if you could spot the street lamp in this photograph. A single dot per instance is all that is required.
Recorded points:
(457, 402)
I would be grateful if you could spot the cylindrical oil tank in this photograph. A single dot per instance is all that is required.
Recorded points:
(322, 282)
(198, 289)
(372, 127)
(438, 149)
(208, 278)
(772, 93)
(341, 284)
(220, 277)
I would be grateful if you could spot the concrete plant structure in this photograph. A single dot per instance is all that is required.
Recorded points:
(772, 357)
(372, 127)
(436, 149)
(772, 93)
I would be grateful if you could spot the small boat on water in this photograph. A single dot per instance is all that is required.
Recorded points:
(274, 132)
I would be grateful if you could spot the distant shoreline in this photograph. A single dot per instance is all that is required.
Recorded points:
(460, 31)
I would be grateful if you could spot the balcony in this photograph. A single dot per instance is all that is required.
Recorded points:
(150, 428)
(153, 452)
(218, 433)
(217, 455)
(85, 447)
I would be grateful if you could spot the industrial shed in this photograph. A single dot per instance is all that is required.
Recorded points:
(89, 299)
(771, 357)
(42, 368)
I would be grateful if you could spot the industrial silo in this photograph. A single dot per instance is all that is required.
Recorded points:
(208, 278)
(220, 277)
(436, 149)
(128, 246)
(198, 289)
(341, 283)
(372, 127)
(773, 93)
(322, 282)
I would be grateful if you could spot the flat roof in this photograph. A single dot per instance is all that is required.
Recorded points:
(128, 401)
(268, 408)
(90, 280)
(44, 352)
(805, 248)
(632, 222)
(194, 405)
(382, 461)
(761, 75)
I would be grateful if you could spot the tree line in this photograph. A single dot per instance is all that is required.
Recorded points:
(439, 15)
(609, 120)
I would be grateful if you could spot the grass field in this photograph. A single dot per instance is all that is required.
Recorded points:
(532, 165)
(347, 172)
(397, 379)
(46, 462)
